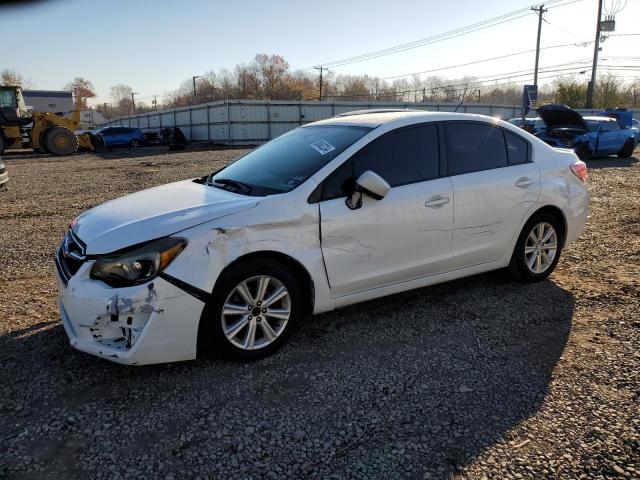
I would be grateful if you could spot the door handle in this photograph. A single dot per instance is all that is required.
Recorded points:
(436, 202)
(524, 182)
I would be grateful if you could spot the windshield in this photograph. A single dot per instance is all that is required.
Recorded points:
(284, 163)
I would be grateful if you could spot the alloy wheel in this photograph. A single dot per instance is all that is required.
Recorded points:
(541, 247)
(256, 312)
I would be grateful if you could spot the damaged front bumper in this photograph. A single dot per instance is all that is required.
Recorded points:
(151, 323)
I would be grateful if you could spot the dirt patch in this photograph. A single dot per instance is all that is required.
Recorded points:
(480, 377)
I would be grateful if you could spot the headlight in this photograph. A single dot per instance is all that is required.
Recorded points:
(139, 265)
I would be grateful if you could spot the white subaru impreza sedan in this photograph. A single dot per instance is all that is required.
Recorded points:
(332, 213)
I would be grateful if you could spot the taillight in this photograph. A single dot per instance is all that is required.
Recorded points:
(579, 169)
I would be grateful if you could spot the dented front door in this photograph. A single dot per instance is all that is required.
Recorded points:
(404, 236)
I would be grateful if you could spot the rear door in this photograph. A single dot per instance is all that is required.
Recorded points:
(494, 183)
(404, 236)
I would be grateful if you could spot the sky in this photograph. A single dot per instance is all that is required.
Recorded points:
(155, 45)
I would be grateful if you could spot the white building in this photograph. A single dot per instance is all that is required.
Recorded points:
(91, 118)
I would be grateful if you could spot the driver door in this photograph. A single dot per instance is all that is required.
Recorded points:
(610, 138)
(404, 236)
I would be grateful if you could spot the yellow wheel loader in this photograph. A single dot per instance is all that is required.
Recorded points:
(42, 131)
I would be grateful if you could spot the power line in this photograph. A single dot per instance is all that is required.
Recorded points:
(584, 44)
(467, 86)
(563, 30)
(491, 22)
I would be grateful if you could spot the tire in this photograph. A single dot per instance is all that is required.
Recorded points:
(519, 266)
(582, 151)
(135, 143)
(60, 141)
(237, 323)
(627, 149)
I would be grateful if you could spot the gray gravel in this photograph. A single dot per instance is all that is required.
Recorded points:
(477, 378)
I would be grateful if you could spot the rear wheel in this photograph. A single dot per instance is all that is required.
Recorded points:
(537, 250)
(60, 141)
(627, 149)
(252, 312)
(134, 143)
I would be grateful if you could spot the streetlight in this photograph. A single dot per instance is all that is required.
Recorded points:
(195, 100)
(133, 102)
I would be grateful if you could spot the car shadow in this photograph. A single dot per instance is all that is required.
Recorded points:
(418, 382)
(612, 162)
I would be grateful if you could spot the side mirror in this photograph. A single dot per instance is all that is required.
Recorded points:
(369, 183)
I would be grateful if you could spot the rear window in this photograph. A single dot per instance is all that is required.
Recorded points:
(517, 149)
(472, 147)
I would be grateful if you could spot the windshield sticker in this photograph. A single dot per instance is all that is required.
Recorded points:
(322, 147)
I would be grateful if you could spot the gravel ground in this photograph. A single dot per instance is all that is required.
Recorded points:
(477, 378)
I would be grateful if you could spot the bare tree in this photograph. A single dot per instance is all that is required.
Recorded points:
(121, 96)
(13, 78)
(608, 91)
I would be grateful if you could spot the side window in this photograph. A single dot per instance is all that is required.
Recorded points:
(517, 149)
(339, 183)
(472, 147)
(610, 126)
(401, 157)
(407, 156)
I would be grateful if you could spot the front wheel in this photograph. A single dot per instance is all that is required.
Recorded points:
(60, 141)
(253, 310)
(537, 250)
(134, 143)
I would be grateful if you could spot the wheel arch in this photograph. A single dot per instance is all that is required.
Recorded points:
(558, 214)
(294, 265)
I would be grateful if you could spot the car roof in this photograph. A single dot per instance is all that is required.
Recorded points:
(375, 118)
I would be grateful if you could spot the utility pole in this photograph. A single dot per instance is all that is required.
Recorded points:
(155, 102)
(321, 68)
(133, 102)
(195, 99)
(592, 83)
(540, 11)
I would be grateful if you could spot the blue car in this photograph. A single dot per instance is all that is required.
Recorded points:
(120, 137)
(588, 136)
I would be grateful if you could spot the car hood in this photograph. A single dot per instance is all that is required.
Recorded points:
(561, 116)
(154, 213)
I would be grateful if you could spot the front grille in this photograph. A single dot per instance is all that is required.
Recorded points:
(70, 256)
